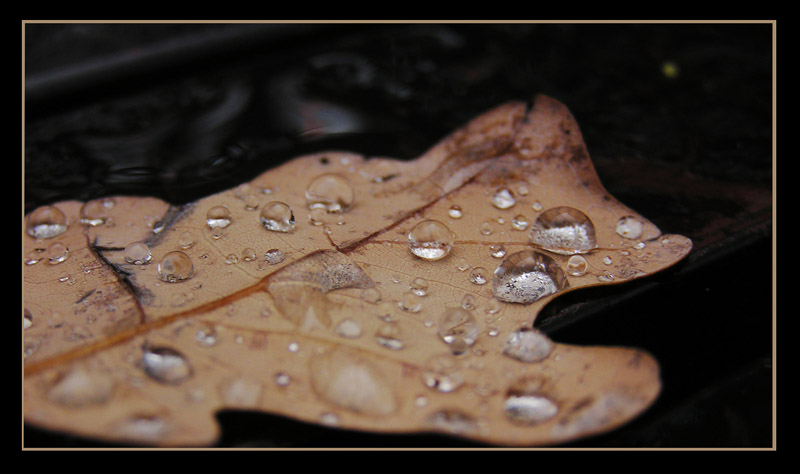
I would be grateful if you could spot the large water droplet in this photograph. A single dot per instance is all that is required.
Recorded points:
(430, 240)
(629, 227)
(218, 217)
(165, 365)
(564, 230)
(277, 216)
(528, 345)
(503, 198)
(46, 222)
(137, 253)
(458, 328)
(174, 267)
(346, 379)
(331, 192)
(527, 276)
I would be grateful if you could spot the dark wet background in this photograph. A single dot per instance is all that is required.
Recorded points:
(677, 119)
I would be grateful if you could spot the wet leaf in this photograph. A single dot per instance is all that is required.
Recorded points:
(326, 310)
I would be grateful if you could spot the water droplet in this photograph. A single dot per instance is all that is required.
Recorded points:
(93, 213)
(629, 227)
(537, 206)
(639, 245)
(329, 418)
(430, 240)
(458, 328)
(503, 198)
(606, 277)
(493, 306)
(529, 408)
(274, 256)
(240, 392)
(248, 254)
(443, 373)
(27, 319)
(523, 190)
(478, 275)
(410, 302)
(564, 230)
(370, 295)
(176, 266)
(468, 302)
(206, 337)
(251, 202)
(165, 365)
(46, 222)
(282, 379)
(419, 286)
(57, 253)
(389, 336)
(137, 253)
(218, 217)
(462, 264)
(34, 256)
(528, 345)
(486, 228)
(348, 328)
(277, 216)
(186, 240)
(497, 251)
(455, 211)
(350, 380)
(231, 259)
(607, 260)
(577, 266)
(80, 387)
(519, 222)
(142, 428)
(331, 192)
(453, 421)
(527, 276)
(317, 216)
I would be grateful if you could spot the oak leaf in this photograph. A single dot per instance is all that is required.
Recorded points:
(321, 309)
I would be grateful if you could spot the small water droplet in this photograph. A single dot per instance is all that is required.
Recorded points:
(142, 428)
(293, 347)
(478, 275)
(523, 190)
(529, 408)
(421, 401)
(443, 373)
(493, 306)
(81, 387)
(520, 222)
(606, 277)
(176, 266)
(371, 295)
(282, 379)
(528, 345)
(248, 254)
(137, 253)
(57, 252)
(274, 256)
(186, 240)
(497, 251)
(453, 421)
(331, 192)
(486, 228)
(165, 365)
(410, 302)
(639, 245)
(419, 286)
(46, 222)
(577, 266)
(278, 217)
(27, 319)
(251, 202)
(430, 240)
(629, 227)
(240, 392)
(503, 198)
(527, 276)
(607, 260)
(329, 418)
(218, 217)
(458, 328)
(231, 259)
(564, 230)
(389, 336)
(93, 213)
(317, 216)
(34, 256)
(348, 328)
(468, 302)
(455, 211)
(206, 337)
(462, 264)
(537, 206)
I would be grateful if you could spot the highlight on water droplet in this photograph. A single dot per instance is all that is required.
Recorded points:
(455, 211)
(458, 328)
(528, 345)
(137, 253)
(419, 286)
(165, 365)
(218, 217)
(577, 266)
(563, 230)
(176, 266)
(331, 192)
(278, 217)
(497, 250)
(629, 227)
(478, 275)
(527, 276)
(46, 222)
(430, 240)
(503, 198)
(57, 252)
(520, 222)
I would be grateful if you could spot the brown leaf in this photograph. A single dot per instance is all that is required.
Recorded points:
(337, 321)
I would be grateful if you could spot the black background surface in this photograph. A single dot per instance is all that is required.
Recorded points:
(181, 111)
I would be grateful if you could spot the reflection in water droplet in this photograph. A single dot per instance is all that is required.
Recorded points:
(57, 253)
(137, 253)
(165, 365)
(629, 227)
(478, 275)
(455, 211)
(46, 222)
(331, 192)
(564, 230)
(443, 373)
(527, 276)
(497, 251)
(176, 266)
(80, 387)
(218, 217)
(528, 345)
(278, 217)
(577, 266)
(458, 328)
(503, 198)
(419, 286)
(430, 240)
